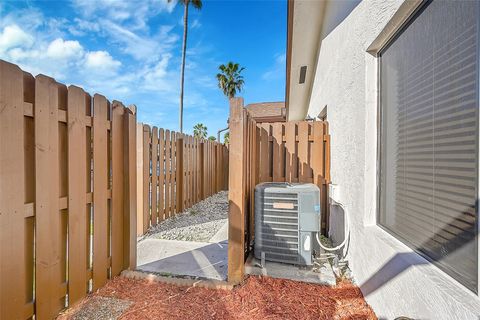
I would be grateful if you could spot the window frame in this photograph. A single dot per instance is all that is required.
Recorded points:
(408, 18)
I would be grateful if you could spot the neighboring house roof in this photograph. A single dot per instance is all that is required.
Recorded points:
(267, 111)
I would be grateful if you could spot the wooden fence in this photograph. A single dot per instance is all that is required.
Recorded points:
(269, 152)
(67, 193)
(175, 171)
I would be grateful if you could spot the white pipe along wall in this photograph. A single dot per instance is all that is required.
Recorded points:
(395, 280)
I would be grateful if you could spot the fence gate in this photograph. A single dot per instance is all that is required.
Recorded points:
(67, 198)
(294, 151)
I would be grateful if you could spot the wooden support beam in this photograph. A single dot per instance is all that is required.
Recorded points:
(130, 192)
(236, 195)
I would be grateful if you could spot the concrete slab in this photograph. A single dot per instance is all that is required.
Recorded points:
(292, 272)
(221, 235)
(186, 258)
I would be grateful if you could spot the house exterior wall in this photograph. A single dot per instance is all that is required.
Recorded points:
(395, 280)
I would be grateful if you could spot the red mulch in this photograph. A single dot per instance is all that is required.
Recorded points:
(256, 298)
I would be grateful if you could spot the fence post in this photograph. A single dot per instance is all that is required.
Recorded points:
(130, 191)
(236, 194)
(202, 170)
(180, 175)
(146, 177)
(139, 142)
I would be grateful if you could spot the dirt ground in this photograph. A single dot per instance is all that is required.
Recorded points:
(256, 298)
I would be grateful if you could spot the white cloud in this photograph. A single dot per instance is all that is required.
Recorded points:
(80, 27)
(195, 24)
(158, 77)
(101, 61)
(61, 49)
(135, 13)
(278, 70)
(13, 36)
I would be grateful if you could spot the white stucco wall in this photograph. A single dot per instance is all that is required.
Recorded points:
(395, 280)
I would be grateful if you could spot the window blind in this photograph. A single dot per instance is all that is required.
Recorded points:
(429, 97)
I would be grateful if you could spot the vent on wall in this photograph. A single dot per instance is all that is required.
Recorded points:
(303, 74)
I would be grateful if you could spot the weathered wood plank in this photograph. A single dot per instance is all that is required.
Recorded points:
(278, 161)
(146, 177)
(118, 181)
(317, 157)
(180, 174)
(304, 170)
(168, 162)
(236, 195)
(291, 154)
(29, 184)
(139, 137)
(78, 215)
(100, 187)
(48, 220)
(12, 222)
(264, 158)
(173, 146)
(154, 186)
(161, 179)
(130, 194)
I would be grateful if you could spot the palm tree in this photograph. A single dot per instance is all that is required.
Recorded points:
(200, 131)
(212, 138)
(230, 79)
(226, 138)
(197, 4)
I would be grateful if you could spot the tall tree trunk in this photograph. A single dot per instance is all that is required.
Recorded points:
(182, 72)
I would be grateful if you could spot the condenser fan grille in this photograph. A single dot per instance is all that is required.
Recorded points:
(279, 225)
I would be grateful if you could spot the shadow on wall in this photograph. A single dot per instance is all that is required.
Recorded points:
(399, 263)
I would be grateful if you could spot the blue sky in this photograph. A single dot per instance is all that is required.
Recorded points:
(130, 51)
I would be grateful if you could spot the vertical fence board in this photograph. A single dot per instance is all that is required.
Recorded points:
(264, 158)
(191, 171)
(291, 155)
(89, 177)
(173, 188)
(63, 187)
(179, 173)
(161, 180)
(130, 192)
(327, 153)
(100, 185)
(117, 201)
(77, 187)
(154, 185)
(140, 170)
(317, 159)
(48, 226)
(167, 174)
(278, 155)
(303, 168)
(29, 187)
(12, 221)
(146, 177)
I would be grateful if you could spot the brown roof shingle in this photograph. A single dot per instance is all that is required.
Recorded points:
(267, 111)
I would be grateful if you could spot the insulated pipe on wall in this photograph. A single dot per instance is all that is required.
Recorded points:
(220, 131)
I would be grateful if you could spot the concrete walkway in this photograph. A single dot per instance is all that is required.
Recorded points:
(207, 260)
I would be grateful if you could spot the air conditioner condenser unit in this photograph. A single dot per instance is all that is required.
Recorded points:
(287, 216)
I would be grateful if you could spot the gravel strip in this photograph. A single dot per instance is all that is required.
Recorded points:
(96, 308)
(199, 223)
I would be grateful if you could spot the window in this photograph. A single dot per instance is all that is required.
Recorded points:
(429, 100)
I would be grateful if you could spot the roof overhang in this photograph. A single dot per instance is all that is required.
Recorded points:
(308, 23)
